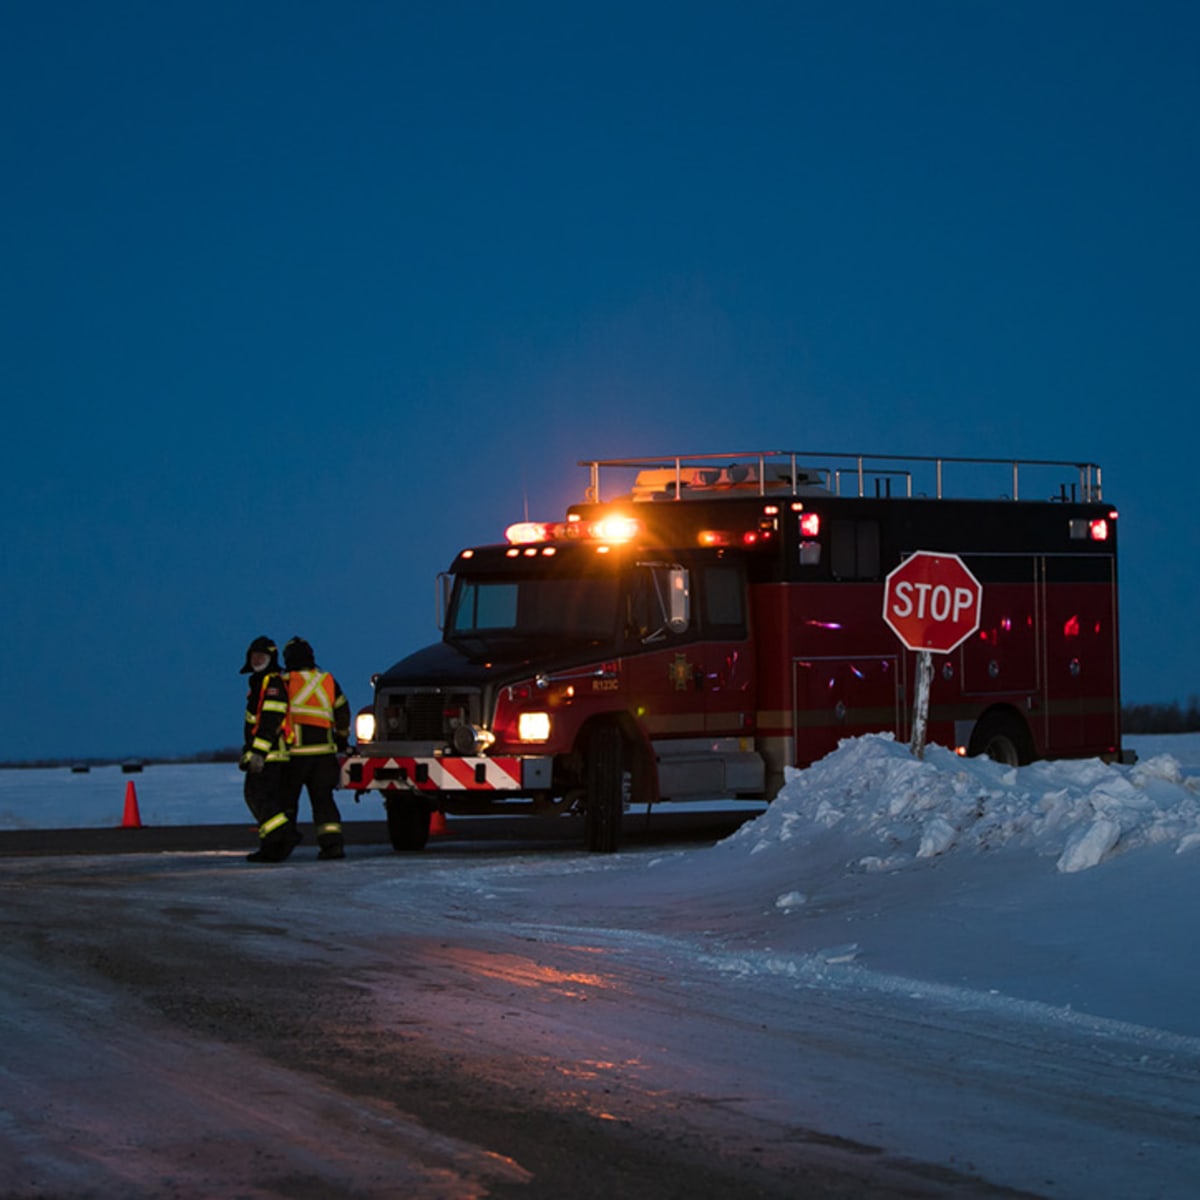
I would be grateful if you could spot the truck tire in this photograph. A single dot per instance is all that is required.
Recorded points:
(1003, 738)
(407, 822)
(605, 780)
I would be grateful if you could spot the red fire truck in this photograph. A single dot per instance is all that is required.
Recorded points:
(700, 622)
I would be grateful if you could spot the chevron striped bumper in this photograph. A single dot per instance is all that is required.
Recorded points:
(517, 776)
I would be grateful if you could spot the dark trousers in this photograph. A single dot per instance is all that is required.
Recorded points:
(264, 792)
(265, 795)
(319, 773)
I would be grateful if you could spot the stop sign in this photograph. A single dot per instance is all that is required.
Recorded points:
(932, 601)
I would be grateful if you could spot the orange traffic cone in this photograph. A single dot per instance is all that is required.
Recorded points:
(132, 818)
(437, 822)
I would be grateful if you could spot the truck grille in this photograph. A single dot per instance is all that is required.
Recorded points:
(427, 715)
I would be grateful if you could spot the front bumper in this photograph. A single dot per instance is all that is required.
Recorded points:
(517, 776)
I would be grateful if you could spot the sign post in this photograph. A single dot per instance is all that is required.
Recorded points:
(931, 602)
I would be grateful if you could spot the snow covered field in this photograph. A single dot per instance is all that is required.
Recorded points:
(1057, 905)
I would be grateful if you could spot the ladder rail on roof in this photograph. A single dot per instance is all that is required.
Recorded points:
(1089, 474)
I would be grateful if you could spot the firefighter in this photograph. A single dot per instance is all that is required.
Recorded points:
(318, 730)
(264, 752)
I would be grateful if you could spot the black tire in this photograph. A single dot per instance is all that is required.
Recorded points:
(1003, 738)
(605, 780)
(407, 822)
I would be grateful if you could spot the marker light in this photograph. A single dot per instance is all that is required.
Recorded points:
(810, 524)
(364, 727)
(1098, 530)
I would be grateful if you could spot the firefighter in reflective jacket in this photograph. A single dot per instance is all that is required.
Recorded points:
(318, 729)
(264, 752)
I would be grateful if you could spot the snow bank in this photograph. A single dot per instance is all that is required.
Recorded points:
(899, 808)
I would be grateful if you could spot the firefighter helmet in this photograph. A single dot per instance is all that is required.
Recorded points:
(261, 645)
(298, 655)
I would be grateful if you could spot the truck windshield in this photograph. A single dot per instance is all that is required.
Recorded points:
(557, 607)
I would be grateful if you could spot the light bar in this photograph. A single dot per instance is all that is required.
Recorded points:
(607, 529)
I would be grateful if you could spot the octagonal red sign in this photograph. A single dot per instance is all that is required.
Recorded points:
(932, 601)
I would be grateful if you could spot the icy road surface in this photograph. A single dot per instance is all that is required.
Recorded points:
(184, 1025)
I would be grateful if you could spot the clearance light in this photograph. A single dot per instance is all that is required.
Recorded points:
(713, 537)
(533, 727)
(364, 726)
(1098, 530)
(810, 524)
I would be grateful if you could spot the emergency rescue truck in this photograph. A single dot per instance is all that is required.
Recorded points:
(700, 622)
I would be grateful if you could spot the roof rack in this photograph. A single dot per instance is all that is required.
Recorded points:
(780, 472)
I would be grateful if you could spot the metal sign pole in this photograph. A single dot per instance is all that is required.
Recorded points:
(921, 701)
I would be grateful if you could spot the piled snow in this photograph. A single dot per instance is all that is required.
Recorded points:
(898, 808)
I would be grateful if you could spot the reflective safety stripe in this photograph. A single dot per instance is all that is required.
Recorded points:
(310, 698)
(272, 824)
(300, 751)
(274, 706)
(333, 827)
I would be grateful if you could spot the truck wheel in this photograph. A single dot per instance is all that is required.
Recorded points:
(407, 822)
(605, 778)
(1002, 738)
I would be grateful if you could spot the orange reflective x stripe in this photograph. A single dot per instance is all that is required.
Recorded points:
(310, 698)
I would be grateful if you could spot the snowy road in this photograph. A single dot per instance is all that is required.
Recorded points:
(472, 1022)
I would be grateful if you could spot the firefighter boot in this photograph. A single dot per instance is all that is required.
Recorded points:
(329, 838)
(278, 838)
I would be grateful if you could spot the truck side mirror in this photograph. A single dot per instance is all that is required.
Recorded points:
(445, 584)
(678, 599)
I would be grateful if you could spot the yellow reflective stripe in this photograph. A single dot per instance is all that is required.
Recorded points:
(331, 828)
(278, 756)
(274, 706)
(261, 744)
(251, 717)
(298, 751)
(272, 824)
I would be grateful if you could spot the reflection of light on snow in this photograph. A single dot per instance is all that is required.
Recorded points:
(525, 972)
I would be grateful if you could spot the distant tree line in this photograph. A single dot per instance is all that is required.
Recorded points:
(1162, 718)
(227, 754)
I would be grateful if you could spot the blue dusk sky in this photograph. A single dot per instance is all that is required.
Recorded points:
(299, 298)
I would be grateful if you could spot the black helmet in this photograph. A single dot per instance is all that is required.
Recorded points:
(298, 655)
(261, 645)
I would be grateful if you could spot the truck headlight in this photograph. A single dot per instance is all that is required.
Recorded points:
(364, 726)
(533, 727)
